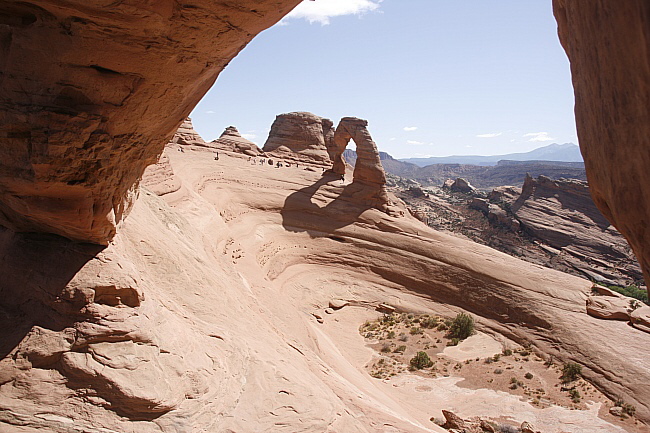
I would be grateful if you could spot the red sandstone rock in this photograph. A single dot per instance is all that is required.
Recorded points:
(232, 141)
(92, 91)
(607, 44)
(186, 135)
(300, 136)
(369, 184)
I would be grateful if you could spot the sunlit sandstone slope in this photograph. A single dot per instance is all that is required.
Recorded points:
(202, 314)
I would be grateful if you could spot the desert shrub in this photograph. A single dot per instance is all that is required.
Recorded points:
(632, 291)
(506, 352)
(429, 322)
(629, 409)
(505, 428)
(421, 360)
(415, 331)
(403, 337)
(442, 326)
(462, 326)
(391, 334)
(575, 395)
(453, 342)
(570, 372)
(496, 357)
(400, 349)
(385, 348)
(528, 376)
(498, 371)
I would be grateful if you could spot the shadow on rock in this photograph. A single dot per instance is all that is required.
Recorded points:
(303, 213)
(34, 270)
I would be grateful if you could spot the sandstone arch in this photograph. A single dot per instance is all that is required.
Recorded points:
(369, 178)
(92, 91)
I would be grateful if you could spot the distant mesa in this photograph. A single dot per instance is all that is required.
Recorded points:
(567, 152)
(231, 140)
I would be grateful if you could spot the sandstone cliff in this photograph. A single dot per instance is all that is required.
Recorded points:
(607, 44)
(92, 91)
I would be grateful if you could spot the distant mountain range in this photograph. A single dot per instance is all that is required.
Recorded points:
(484, 173)
(567, 152)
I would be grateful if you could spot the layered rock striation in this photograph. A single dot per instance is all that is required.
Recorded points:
(369, 177)
(91, 92)
(186, 135)
(562, 214)
(300, 136)
(607, 44)
(232, 141)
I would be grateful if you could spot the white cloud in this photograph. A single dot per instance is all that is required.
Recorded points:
(539, 136)
(413, 142)
(410, 128)
(491, 135)
(210, 112)
(250, 137)
(392, 139)
(320, 11)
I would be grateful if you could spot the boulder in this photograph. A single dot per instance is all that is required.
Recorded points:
(640, 318)
(608, 307)
(526, 427)
(337, 304)
(453, 421)
(462, 185)
(616, 411)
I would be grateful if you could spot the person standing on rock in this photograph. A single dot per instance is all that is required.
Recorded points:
(216, 156)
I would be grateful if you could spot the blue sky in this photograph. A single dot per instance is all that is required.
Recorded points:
(432, 77)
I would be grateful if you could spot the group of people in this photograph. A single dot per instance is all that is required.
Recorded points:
(269, 161)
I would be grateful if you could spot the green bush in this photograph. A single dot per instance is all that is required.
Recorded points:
(421, 360)
(632, 291)
(570, 372)
(462, 326)
(575, 395)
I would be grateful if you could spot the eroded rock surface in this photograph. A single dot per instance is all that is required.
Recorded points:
(92, 91)
(232, 141)
(186, 135)
(300, 136)
(607, 44)
(562, 214)
(369, 178)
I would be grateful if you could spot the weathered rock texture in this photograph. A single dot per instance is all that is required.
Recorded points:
(201, 315)
(186, 135)
(562, 214)
(91, 91)
(232, 141)
(300, 135)
(607, 44)
(369, 176)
